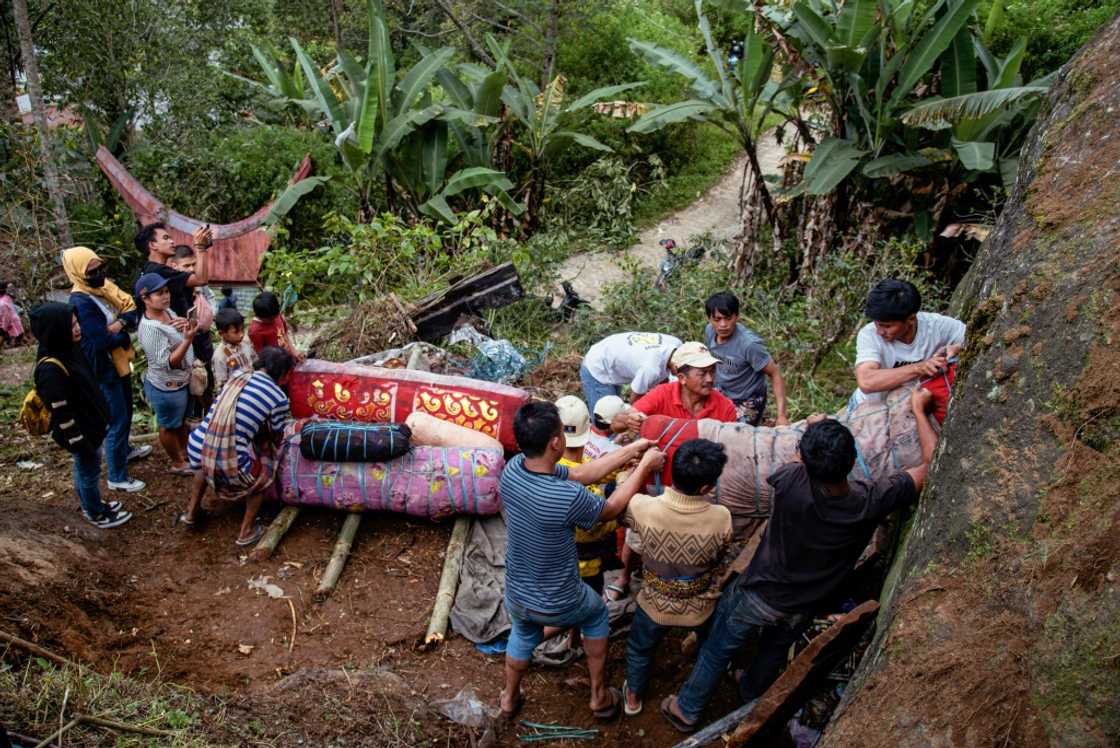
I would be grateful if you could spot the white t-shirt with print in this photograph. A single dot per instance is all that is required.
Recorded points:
(935, 331)
(639, 359)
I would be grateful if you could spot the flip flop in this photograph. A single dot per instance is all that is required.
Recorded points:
(622, 592)
(626, 702)
(186, 471)
(258, 531)
(674, 720)
(511, 714)
(181, 519)
(610, 713)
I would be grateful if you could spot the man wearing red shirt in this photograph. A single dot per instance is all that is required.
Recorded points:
(692, 395)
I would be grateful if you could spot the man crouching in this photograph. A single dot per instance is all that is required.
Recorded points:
(543, 503)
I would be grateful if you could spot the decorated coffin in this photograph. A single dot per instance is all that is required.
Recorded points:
(352, 392)
(429, 482)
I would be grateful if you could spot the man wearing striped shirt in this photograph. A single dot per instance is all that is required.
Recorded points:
(262, 412)
(543, 503)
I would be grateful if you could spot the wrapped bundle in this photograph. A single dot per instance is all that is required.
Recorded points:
(430, 482)
(371, 394)
(335, 441)
(885, 434)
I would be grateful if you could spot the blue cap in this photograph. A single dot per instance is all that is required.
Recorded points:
(150, 283)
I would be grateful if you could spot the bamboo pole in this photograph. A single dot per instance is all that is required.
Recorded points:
(338, 557)
(275, 532)
(448, 582)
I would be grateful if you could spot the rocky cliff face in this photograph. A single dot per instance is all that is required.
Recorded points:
(1001, 618)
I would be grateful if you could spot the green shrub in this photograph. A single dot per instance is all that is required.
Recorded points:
(361, 261)
(1054, 29)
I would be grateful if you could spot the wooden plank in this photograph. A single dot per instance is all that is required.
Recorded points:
(435, 315)
(804, 666)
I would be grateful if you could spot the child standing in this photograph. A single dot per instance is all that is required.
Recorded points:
(595, 546)
(234, 354)
(79, 413)
(269, 328)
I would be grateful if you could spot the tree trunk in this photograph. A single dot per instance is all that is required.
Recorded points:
(550, 42)
(38, 111)
(337, 9)
(1001, 622)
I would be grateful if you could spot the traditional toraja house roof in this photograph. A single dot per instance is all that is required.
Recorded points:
(238, 247)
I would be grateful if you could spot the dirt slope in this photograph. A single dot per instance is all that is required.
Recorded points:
(1002, 619)
(716, 212)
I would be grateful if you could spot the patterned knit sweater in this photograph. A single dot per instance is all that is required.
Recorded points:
(684, 540)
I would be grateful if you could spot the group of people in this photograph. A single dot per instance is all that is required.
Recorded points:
(84, 375)
(582, 473)
(585, 493)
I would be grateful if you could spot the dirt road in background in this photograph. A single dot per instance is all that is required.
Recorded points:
(716, 212)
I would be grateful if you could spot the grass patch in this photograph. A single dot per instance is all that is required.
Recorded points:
(714, 153)
(39, 697)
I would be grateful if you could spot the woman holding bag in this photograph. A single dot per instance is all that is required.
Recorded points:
(106, 314)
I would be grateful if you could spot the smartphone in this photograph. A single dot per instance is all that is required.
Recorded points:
(192, 315)
(209, 236)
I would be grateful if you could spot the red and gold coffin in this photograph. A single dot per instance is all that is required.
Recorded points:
(352, 392)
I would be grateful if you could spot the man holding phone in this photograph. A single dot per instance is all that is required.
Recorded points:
(155, 241)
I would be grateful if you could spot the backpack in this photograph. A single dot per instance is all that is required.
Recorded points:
(34, 415)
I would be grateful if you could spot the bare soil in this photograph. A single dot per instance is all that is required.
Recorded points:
(151, 600)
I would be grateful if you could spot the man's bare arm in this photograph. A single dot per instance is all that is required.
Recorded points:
(872, 377)
(779, 386)
(652, 461)
(200, 240)
(595, 471)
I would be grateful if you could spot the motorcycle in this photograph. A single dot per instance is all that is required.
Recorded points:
(675, 260)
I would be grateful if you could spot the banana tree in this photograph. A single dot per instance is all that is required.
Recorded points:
(542, 116)
(387, 128)
(737, 101)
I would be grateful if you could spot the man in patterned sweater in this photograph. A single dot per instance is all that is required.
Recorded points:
(684, 541)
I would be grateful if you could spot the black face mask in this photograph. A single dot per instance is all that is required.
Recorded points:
(96, 278)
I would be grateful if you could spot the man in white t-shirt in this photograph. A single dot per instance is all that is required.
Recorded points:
(901, 343)
(639, 359)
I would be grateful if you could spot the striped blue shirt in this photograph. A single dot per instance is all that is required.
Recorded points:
(262, 401)
(542, 512)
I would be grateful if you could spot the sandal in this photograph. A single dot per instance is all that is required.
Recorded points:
(610, 713)
(181, 519)
(511, 714)
(626, 708)
(258, 531)
(622, 591)
(185, 471)
(674, 720)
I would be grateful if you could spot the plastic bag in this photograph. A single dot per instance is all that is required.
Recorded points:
(466, 709)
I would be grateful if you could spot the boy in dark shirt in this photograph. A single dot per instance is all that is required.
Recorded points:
(821, 522)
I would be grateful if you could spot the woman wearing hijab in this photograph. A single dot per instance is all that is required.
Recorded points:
(79, 413)
(106, 314)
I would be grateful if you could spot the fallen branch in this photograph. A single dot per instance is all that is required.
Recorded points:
(35, 649)
(89, 719)
(338, 557)
(717, 728)
(448, 582)
(267, 544)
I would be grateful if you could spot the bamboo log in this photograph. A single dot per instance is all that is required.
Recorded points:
(717, 728)
(338, 557)
(275, 532)
(35, 649)
(448, 582)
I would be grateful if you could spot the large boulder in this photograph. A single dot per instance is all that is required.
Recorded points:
(1001, 617)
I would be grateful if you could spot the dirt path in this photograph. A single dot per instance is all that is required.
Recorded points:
(716, 212)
